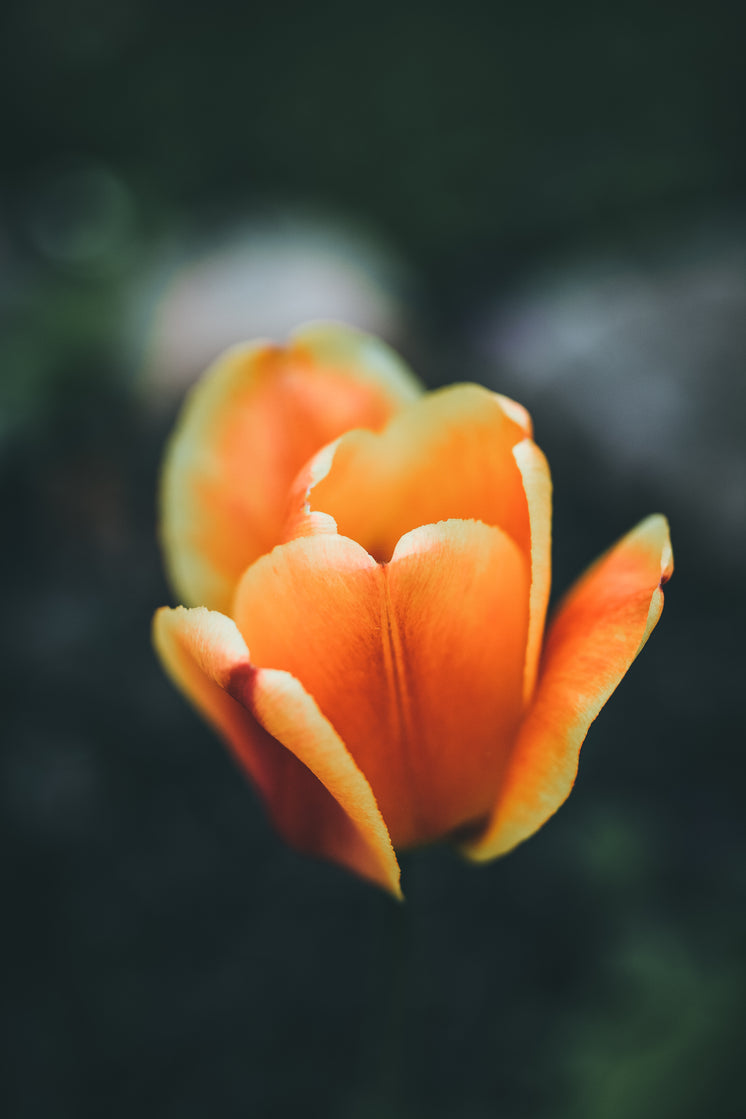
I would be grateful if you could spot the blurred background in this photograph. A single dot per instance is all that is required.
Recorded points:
(547, 200)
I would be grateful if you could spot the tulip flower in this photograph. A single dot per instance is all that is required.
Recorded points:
(366, 569)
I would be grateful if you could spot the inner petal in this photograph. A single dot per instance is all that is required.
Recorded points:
(448, 456)
(417, 664)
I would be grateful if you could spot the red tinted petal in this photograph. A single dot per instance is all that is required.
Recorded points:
(317, 797)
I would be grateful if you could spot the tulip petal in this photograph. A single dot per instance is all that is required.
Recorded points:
(450, 456)
(418, 663)
(518, 414)
(537, 483)
(318, 798)
(247, 428)
(598, 631)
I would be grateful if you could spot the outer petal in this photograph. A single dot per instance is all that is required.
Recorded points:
(449, 456)
(318, 798)
(247, 428)
(599, 630)
(418, 664)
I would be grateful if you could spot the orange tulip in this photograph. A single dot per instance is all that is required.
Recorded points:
(367, 630)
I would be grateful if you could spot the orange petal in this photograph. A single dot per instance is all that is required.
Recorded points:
(318, 798)
(537, 484)
(418, 664)
(247, 428)
(517, 413)
(600, 628)
(448, 456)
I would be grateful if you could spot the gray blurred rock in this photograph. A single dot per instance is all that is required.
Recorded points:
(643, 355)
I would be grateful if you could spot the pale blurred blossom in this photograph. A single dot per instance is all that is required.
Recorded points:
(259, 281)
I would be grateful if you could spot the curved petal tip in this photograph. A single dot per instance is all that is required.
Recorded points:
(595, 636)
